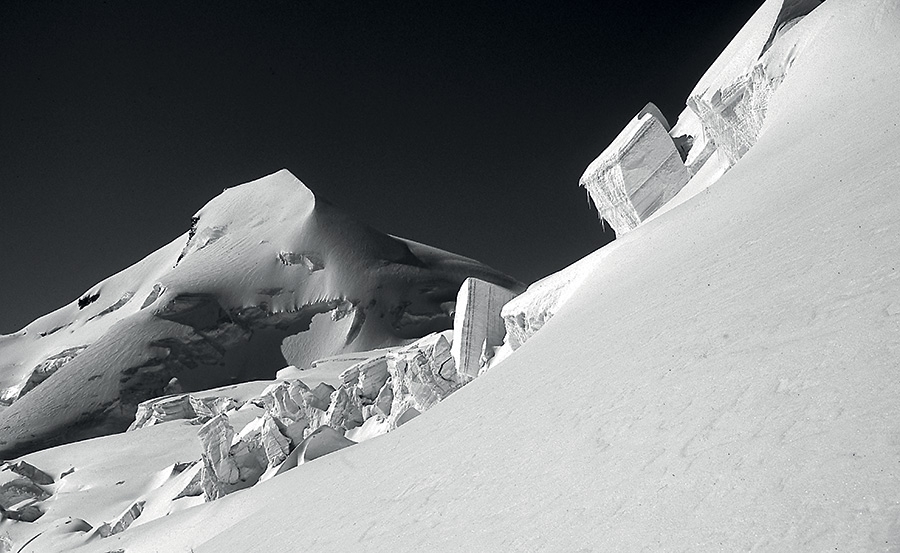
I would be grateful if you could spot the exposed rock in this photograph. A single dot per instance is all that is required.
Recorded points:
(88, 299)
(639, 172)
(173, 387)
(477, 327)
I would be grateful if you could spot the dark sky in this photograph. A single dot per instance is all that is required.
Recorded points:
(462, 125)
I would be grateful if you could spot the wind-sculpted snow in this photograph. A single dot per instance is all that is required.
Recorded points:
(732, 98)
(267, 271)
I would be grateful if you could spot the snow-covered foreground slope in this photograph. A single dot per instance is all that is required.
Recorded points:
(268, 275)
(721, 378)
(725, 380)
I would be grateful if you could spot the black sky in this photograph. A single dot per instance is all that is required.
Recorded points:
(461, 125)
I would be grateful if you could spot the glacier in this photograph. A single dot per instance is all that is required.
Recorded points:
(721, 377)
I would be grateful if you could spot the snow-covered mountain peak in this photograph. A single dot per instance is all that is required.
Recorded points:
(267, 276)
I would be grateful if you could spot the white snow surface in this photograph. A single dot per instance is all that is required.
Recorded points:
(723, 379)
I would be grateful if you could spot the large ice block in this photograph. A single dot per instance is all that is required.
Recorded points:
(638, 173)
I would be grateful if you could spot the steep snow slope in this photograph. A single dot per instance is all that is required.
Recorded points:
(267, 272)
(725, 380)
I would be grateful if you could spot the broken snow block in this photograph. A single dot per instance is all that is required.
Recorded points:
(123, 522)
(31, 472)
(637, 174)
(157, 410)
(273, 441)
(344, 412)
(527, 313)
(477, 326)
(694, 143)
(21, 490)
(385, 398)
(422, 374)
(323, 441)
(216, 436)
(734, 115)
(208, 407)
(295, 408)
(228, 464)
(368, 376)
(732, 97)
(319, 397)
(22, 513)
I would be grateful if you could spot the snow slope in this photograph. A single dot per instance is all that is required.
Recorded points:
(268, 275)
(725, 380)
